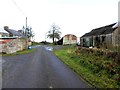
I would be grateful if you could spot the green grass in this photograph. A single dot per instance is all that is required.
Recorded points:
(19, 52)
(88, 71)
(35, 43)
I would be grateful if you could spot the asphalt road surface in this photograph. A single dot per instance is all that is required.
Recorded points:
(39, 69)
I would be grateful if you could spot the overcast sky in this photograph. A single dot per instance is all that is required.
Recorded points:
(72, 16)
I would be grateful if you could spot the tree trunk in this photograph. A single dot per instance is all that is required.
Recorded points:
(53, 35)
(53, 40)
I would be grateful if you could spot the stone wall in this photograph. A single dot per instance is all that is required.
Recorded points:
(13, 45)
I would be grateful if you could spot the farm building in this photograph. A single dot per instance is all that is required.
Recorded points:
(12, 41)
(101, 37)
(68, 39)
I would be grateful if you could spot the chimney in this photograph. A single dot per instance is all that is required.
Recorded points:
(6, 28)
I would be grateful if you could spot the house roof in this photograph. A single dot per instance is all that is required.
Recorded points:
(102, 30)
(14, 32)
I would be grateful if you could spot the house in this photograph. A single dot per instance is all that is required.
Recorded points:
(13, 33)
(19, 34)
(101, 37)
(68, 39)
(13, 42)
(3, 33)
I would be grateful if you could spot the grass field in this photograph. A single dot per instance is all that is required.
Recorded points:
(89, 67)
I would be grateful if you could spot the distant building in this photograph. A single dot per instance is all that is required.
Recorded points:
(60, 42)
(101, 37)
(68, 39)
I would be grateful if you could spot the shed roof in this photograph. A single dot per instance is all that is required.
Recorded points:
(102, 30)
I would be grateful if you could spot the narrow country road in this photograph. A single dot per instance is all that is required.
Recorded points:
(39, 69)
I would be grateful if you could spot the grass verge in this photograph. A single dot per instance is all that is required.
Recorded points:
(35, 43)
(89, 72)
(19, 52)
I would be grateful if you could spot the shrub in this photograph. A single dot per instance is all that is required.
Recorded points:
(99, 60)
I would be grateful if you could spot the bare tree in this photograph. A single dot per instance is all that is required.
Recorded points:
(54, 33)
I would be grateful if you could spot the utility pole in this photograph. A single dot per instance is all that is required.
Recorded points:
(26, 32)
(26, 22)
